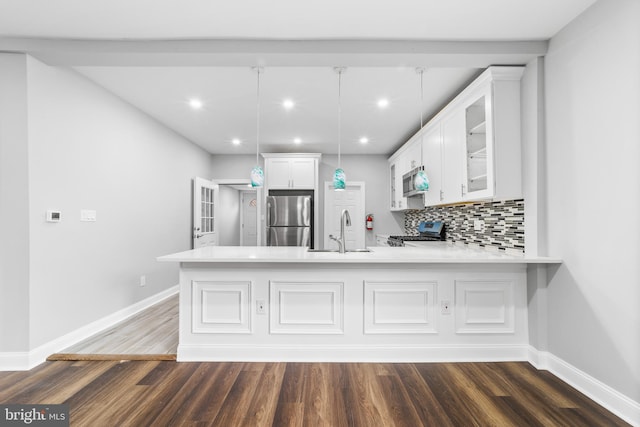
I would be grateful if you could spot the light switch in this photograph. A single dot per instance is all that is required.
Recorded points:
(87, 215)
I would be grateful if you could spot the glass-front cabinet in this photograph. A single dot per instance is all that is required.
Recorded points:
(478, 172)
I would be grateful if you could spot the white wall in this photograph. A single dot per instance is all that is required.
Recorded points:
(593, 138)
(87, 149)
(374, 171)
(14, 205)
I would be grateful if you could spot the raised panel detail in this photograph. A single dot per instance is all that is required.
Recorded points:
(484, 307)
(400, 307)
(221, 307)
(306, 307)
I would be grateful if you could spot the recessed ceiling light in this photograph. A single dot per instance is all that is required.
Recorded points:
(364, 140)
(288, 104)
(297, 140)
(383, 103)
(236, 141)
(195, 103)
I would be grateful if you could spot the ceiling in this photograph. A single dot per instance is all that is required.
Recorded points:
(159, 54)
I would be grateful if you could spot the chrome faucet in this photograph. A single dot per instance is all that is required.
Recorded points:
(345, 219)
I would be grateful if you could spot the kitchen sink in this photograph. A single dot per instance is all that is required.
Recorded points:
(336, 251)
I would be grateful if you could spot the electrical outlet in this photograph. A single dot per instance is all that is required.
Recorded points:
(478, 225)
(446, 307)
(143, 280)
(261, 307)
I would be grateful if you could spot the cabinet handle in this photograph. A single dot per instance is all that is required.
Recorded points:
(462, 187)
(441, 195)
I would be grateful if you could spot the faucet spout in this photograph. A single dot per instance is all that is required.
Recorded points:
(345, 220)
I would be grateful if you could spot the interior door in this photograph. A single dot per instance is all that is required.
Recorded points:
(249, 218)
(205, 205)
(351, 199)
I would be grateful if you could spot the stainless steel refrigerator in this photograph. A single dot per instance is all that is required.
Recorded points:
(289, 221)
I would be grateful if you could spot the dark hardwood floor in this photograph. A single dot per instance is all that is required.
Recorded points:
(162, 393)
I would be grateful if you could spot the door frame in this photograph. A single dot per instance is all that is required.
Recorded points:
(259, 198)
(196, 206)
(328, 186)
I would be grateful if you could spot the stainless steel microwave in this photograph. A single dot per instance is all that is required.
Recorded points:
(408, 182)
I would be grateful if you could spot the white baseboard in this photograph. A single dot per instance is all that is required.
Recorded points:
(23, 361)
(614, 401)
(348, 354)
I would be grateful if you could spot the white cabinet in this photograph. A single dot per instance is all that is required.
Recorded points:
(398, 202)
(432, 161)
(491, 147)
(452, 140)
(291, 173)
(471, 149)
(412, 157)
(399, 164)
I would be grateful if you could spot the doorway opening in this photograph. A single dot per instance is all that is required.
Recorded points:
(237, 219)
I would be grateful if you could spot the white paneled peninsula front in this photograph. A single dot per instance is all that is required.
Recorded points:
(441, 302)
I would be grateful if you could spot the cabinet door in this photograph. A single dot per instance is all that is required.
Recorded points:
(452, 140)
(303, 173)
(397, 201)
(392, 185)
(432, 161)
(278, 173)
(413, 156)
(478, 176)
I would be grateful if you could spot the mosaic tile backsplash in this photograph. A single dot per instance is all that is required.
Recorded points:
(503, 223)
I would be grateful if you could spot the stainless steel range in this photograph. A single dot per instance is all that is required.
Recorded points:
(427, 231)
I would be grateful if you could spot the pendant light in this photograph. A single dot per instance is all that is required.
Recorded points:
(421, 181)
(257, 175)
(339, 176)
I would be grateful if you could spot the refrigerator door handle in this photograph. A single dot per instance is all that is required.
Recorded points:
(268, 213)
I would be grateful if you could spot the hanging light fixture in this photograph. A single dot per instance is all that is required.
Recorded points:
(257, 175)
(339, 176)
(421, 181)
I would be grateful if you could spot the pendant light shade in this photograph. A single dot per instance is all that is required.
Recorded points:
(257, 175)
(421, 181)
(339, 177)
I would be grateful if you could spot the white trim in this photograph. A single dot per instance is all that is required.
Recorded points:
(351, 354)
(614, 401)
(24, 361)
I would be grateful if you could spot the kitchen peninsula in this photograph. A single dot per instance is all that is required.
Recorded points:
(442, 302)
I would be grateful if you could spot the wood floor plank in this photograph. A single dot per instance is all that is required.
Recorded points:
(159, 393)
(429, 410)
(232, 413)
(261, 410)
(153, 331)
(401, 408)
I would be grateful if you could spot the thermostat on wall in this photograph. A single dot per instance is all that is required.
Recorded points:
(54, 216)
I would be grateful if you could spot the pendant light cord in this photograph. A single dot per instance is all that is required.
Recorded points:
(339, 115)
(421, 71)
(258, 118)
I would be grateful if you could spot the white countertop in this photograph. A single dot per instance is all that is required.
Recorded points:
(434, 253)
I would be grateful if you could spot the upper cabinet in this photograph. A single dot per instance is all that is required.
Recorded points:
(291, 171)
(471, 149)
